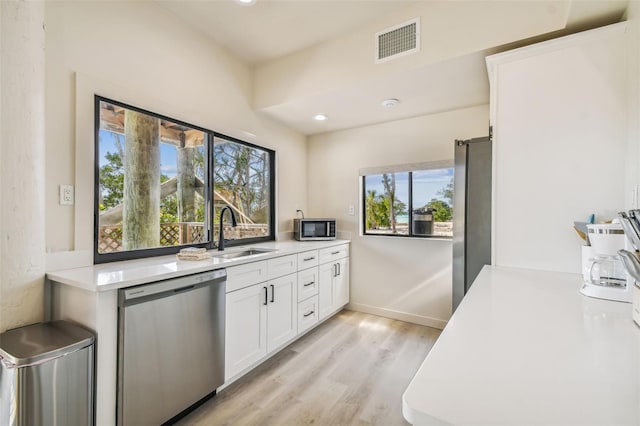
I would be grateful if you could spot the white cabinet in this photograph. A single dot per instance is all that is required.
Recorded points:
(246, 328)
(308, 314)
(307, 283)
(260, 316)
(307, 259)
(245, 275)
(559, 114)
(282, 311)
(333, 278)
(270, 302)
(341, 284)
(281, 266)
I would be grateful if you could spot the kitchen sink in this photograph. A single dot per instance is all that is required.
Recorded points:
(244, 253)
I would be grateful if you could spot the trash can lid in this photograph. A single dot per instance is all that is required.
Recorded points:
(39, 342)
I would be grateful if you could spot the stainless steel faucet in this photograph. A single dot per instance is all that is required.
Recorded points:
(233, 223)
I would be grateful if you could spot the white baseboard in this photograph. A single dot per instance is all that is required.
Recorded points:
(402, 316)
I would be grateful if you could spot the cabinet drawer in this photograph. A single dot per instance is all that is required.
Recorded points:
(307, 314)
(281, 266)
(245, 275)
(332, 253)
(307, 259)
(307, 283)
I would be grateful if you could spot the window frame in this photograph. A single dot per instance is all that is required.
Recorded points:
(409, 169)
(210, 244)
(272, 192)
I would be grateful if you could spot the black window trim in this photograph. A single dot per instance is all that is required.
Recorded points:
(99, 258)
(363, 227)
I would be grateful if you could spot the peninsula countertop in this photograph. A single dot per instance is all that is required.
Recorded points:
(525, 347)
(111, 276)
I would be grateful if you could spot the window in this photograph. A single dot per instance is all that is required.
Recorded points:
(410, 201)
(160, 184)
(242, 181)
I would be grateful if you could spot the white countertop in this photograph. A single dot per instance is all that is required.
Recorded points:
(526, 348)
(111, 276)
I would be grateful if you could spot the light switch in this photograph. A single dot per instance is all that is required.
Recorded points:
(352, 210)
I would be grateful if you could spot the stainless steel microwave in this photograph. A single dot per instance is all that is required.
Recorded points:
(314, 229)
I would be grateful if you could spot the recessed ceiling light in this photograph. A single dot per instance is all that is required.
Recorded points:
(320, 117)
(391, 102)
(246, 2)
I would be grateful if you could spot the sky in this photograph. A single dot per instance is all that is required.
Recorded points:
(426, 185)
(168, 155)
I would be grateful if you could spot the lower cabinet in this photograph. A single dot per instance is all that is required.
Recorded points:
(333, 293)
(282, 311)
(267, 309)
(246, 329)
(259, 319)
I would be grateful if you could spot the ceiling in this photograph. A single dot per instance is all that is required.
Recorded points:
(270, 30)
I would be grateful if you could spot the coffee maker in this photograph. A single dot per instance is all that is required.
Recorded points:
(604, 274)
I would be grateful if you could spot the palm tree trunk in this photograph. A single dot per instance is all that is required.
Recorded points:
(141, 215)
(186, 185)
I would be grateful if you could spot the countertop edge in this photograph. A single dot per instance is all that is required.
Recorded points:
(86, 277)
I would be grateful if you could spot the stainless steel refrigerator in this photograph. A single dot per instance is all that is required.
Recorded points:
(471, 213)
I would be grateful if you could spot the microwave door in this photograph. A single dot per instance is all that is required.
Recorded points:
(308, 229)
(312, 229)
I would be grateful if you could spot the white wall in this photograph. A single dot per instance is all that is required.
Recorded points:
(22, 242)
(458, 27)
(400, 278)
(140, 54)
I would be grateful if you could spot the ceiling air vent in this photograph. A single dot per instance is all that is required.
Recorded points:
(398, 40)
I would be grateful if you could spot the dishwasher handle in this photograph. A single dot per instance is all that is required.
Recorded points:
(173, 285)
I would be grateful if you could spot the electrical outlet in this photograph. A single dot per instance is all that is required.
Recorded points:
(352, 210)
(66, 195)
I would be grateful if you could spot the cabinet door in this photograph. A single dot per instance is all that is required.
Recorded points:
(326, 273)
(282, 311)
(246, 328)
(341, 285)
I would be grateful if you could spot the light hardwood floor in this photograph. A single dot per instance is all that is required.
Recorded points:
(351, 370)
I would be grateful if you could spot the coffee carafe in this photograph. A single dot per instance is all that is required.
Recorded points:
(604, 273)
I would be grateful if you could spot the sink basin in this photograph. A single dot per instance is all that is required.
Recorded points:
(243, 253)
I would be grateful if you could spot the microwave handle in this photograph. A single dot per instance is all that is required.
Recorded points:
(328, 229)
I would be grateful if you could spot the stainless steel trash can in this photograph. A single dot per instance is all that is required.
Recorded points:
(422, 222)
(47, 375)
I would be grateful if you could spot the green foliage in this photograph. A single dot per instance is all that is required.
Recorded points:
(441, 210)
(377, 209)
(169, 209)
(112, 181)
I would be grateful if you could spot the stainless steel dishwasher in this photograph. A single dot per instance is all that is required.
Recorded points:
(170, 346)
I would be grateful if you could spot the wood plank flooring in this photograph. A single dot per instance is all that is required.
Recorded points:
(351, 370)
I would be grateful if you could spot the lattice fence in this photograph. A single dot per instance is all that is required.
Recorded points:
(171, 234)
